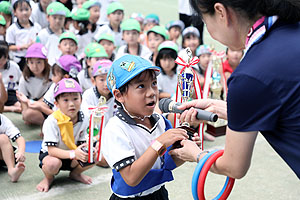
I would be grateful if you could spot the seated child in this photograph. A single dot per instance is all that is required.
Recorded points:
(2, 28)
(64, 136)
(49, 37)
(34, 84)
(190, 38)
(135, 140)
(131, 31)
(156, 35)
(93, 7)
(93, 53)
(150, 21)
(204, 54)
(167, 79)
(67, 66)
(108, 42)
(38, 14)
(115, 15)
(11, 75)
(232, 61)
(5, 11)
(175, 28)
(13, 161)
(68, 43)
(21, 34)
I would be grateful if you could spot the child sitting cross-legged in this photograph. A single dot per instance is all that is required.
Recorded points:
(64, 136)
(136, 139)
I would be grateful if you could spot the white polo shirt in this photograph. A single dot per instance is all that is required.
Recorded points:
(49, 97)
(50, 40)
(34, 88)
(18, 35)
(52, 135)
(39, 16)
(143, 52)
(90, 98)
(84, 80)
(8, 128)
(124, 141)
(11, 75)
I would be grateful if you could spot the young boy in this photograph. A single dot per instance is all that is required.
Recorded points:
(2, 28)
(115, 15)
(204, 54)
(64, 134)
(21, 34)
(156, 35)
(7, 157)
(38, 14)
(93, 7)
(150, 21)
(108, 42)
(175, 28)
(49, 37)
(135, 140)
(93, 53)
(131, 31)
(68, 43)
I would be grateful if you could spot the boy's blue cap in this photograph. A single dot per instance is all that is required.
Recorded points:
(125, 69)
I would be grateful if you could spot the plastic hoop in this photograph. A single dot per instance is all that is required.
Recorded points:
(202, 177)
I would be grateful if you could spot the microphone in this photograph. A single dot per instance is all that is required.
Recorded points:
(169, 106)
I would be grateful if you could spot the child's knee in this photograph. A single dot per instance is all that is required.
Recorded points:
(52, 164)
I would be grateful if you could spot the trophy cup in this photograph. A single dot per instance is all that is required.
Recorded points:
(217, 128)
(94, 131)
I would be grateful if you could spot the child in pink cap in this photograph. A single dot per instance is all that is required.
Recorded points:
(34, 83)
(64, 136)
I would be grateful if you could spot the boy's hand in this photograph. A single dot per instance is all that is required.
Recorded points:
(20, 157)
(196, 139)
(80, 154)
(172, 135)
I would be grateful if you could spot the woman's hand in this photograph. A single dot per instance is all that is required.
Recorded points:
(188, 151)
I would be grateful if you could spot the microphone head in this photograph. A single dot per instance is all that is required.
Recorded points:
(164, 105)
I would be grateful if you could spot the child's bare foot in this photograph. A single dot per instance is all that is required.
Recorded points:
(44, 185)
(16, 172)
(81, 178)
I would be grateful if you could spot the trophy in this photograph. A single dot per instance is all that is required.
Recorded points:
(95, 131)
(217, 128)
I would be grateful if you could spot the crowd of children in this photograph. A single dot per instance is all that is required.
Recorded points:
(56, 63)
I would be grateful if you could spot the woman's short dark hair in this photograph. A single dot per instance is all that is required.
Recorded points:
(166, 53)
(287, 10)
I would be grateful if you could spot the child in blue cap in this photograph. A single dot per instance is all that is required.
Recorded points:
(136, 139)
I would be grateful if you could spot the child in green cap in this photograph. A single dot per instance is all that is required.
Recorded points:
(2, 27)
(131, 32)
(5, 11)
(21, 34)
(49, 37)
(115, 15)
(156, 35)
(93, 53)
(108, 42)
(149, 21)
(93, 7)
(68, 43)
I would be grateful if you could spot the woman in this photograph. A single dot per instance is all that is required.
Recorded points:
(264, 91)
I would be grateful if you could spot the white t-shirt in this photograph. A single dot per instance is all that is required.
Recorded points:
(90, 98)
(50, 40)
(49, 97)
(84, 81)
(34, 88)
(107, 29)
(124, 141)
(18, 35)
(8, 128)
(143, 52)
(166, 83)
(52, 135)
(39, 16)
(11, 76)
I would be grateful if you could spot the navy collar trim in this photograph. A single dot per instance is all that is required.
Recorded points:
(20, 26)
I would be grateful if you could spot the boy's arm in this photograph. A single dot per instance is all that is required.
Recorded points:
(20, 155)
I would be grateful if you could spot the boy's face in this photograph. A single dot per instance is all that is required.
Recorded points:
(56, 22)
(36, 66)
(100, 82)
(94, 14)
(154, 40)
(131, 37)
(108, 46)
(23, 12)
(174, 32)
(68, 47)
(142, 89)
(116, 17)
(192, 42)
(204, 60)
(2, 30)
(69, 104)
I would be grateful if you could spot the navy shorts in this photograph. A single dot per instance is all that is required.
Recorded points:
(66, 163)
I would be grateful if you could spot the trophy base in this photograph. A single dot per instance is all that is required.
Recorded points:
(216, 131)
(190, 132)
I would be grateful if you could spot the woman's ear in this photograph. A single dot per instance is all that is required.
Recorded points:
(221, 12)
(118, 95)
